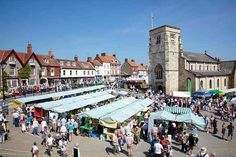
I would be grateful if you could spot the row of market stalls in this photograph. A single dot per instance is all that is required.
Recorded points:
(116, 113)
(54, 96)
(73, 104)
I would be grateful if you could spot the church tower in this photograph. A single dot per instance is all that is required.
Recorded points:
(164, 53)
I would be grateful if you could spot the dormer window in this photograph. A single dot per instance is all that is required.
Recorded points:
(11, 59)
(61, 63)
(45, 60)
(68, 63)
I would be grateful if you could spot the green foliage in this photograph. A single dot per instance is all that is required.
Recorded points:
(5, 75)
(24, 72)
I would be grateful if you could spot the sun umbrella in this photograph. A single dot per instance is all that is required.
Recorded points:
(216, 91)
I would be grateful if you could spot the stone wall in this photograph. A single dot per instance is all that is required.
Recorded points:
(164, 50)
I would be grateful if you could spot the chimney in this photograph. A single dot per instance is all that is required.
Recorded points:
(50, 53)
(141, 64)
(76, 58)
(97, 55)
(29, 48)
(89, 59)
(132, 60)
(114, 55)
(103, 54)
(126, 59)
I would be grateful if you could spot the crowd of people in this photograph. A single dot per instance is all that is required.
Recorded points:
(57, 132)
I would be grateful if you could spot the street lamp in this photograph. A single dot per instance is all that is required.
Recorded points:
(3, 64)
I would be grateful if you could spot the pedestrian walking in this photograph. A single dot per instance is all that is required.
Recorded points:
(158, 149)
(35, 126)
(35, 150)
(129, 142)
(70, 127)
(28, 122)
(223, 129)
(76, 150)
(230, 131)
(202, 152)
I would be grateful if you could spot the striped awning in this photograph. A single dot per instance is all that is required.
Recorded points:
(178, 110)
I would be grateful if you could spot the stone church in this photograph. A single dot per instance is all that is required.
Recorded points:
(173, 69)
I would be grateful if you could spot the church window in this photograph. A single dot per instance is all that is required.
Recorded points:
(159, 72)
(158, 39)
(218, 82)
(210, 84)
(224, 82)
(201, 84)
(191, 68)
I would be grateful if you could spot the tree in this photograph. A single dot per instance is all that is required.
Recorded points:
(5, 76)
(24, 73)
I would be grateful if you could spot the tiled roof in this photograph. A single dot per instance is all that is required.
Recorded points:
(132, 64)
(199, 57)
(4, 54)
(50, 61)
(109, 59)
(24, 57)
(85, 65)
(208, 73)
(142, 68)
(228, 66)
(95, 62)
(66, 66)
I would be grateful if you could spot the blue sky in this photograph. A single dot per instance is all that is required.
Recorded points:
(86, 28)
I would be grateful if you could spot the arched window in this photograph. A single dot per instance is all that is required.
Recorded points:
(159, 71)
(189, 85)
(210, 84)
(218, 83)
(201, 84)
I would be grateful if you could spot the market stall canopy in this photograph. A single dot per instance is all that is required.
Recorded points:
(229, 90)
(80, 104)
(57, 103)
(128, 111)
(109, 108)
(181, 94)
(178, 110)
(160, 115)
(216, 91)
(59, 94)
(193, 119)
(108, 122)
(202, 93)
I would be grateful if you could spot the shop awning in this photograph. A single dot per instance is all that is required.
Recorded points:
(58, 94)
(178, 110)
